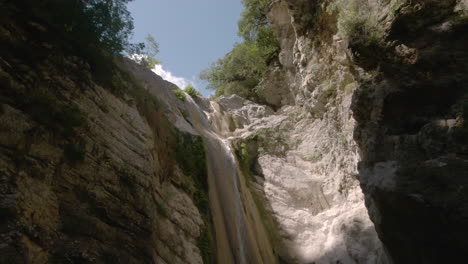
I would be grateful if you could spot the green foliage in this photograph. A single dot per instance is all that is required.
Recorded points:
(241, 70)
(86, 27)
(152, 46)
(253, 18)
(150, 62)
(192, 91)
(359, 22)
(200, 198)
(205, 244)
(75, 152)
(464, 112)
(191, 156)
(111, 22)
(105, 24)
(246, 153)
(150, 52)
(180, 94)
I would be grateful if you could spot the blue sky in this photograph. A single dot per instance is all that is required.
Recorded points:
(191, 34)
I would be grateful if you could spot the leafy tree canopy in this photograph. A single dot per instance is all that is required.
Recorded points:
(240, 71)
(111, 22)
(146, 55)
(104, 24)
(253, 18)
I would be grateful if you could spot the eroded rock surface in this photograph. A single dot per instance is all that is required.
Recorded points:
(87, 176)
(411, 131)
(381, 84)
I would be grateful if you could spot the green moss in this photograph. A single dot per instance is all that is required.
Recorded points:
(205, 244)
(350, 87)
(313, 157)
(162, 210)
(344, 141)
(75, 152)
(244, 155)
(191, 157)
(45, 109)
(185, 115)
(190, 154)
(180, 94)
(297, 142)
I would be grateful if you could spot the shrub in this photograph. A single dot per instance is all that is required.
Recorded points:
(359, 21)
(180, 94)
(150, 62)
(192, 91)
(149, 52)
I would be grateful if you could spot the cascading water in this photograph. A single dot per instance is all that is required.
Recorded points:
(238, 237)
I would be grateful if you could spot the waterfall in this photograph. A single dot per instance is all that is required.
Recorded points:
(239, 239)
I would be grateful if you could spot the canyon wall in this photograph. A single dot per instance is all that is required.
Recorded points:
(102, 161)
(368, 100)
(359, 155)
(89, 174)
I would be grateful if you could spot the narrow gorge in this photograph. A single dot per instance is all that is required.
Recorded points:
(354, 149)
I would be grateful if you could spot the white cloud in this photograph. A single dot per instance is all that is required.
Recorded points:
(168, 76)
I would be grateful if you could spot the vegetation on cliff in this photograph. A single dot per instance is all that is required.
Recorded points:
(241, 70)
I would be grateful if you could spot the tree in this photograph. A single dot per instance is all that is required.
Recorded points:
(240, 71)
(253, 18)
(106, 24)
(148, 58)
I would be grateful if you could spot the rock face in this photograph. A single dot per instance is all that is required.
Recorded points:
(377, 83)
(110, 207)
(302, 157)
(87, 176)
(411, 130)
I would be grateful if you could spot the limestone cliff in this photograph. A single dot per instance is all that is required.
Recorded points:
(94, 170)
(379, 84)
